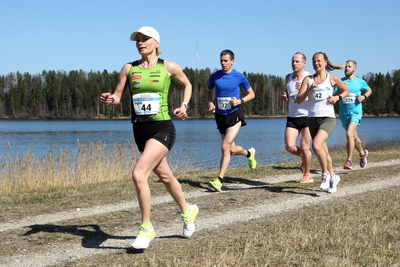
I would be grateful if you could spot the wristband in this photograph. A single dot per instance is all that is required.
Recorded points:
(340, 97)
(186, 104)
(365, 97)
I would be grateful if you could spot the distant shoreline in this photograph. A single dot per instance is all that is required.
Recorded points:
(189, 118)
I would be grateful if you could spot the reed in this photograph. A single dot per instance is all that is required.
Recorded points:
(90, 163)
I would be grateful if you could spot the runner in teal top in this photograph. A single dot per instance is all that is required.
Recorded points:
(351, 113)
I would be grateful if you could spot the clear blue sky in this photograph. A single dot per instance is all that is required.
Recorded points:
(94, 35)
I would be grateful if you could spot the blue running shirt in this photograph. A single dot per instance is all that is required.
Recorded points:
(227, 86)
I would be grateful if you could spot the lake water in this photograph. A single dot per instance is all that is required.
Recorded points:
(200, 138)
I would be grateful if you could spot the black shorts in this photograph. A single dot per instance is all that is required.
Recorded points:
(226, 121)
(162, 131)
(297, 122)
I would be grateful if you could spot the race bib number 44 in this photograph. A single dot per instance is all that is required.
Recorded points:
(146, 104)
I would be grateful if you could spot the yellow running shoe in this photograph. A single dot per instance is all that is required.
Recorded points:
(251, 159)
(216, 184)
(188, 220)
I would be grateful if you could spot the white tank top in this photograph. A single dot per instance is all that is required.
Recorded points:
(294, 109)
(318, 99)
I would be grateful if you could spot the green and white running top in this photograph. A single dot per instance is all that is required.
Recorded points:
(149, 90)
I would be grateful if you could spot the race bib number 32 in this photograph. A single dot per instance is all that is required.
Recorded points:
(224, 102)
(146, 104)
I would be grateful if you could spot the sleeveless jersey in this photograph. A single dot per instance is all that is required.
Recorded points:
(318, 105)
(149, 90)
(294, 109)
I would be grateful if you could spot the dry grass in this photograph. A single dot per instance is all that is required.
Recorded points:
(86, 164)
(89, 163)
(360, 230)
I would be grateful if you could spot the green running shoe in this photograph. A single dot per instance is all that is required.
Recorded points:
(188, 220)
(216, 184)
(251, 159)
(143, 238)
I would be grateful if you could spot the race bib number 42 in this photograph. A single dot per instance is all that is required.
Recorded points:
(146, 104)
(318, 94)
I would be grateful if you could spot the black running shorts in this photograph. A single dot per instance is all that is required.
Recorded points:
(226, 121)
(297, 122)
(162, 131)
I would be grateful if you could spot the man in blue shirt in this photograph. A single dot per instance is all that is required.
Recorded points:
(228, 115)
(351, 113)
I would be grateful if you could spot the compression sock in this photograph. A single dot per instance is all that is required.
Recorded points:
(147, 225)
(185, 211)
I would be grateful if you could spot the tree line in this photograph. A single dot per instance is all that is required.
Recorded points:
(75, 95)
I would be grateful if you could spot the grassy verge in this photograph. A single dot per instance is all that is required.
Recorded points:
(360, 230)
(19, 204)
(356, 231)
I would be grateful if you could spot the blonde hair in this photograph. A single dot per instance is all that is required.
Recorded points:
(329, 65)
(158, 51)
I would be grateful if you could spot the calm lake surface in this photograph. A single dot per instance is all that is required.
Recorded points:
(199, 138)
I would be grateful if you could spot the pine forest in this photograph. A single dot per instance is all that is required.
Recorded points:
(75, 95)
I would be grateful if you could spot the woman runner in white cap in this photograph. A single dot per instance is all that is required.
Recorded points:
(148, 81)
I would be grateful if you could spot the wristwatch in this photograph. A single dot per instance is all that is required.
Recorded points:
(186, 104)
(242, 100)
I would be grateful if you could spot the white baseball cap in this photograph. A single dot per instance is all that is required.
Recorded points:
(148, 31)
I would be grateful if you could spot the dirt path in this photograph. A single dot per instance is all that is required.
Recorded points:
(58, 253)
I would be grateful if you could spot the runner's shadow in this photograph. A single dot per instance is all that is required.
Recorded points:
(292, 168)
(234, 184)
(291, 190)
(191, 183)
(92, 235)
(244, 181)
(137, 251)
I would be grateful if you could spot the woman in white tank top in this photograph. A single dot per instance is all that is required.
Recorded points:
(321, 115)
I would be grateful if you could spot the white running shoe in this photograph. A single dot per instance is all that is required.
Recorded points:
(333, 182)
(324, 181)
(143, 238)
(188, 221)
